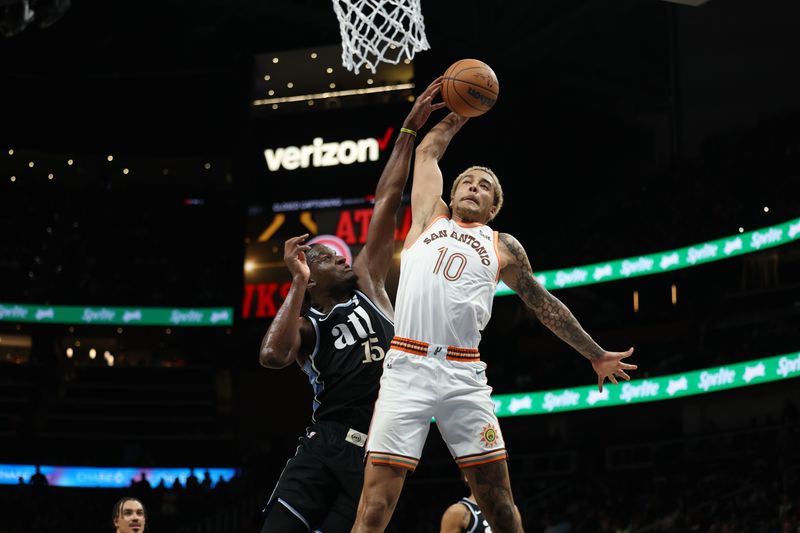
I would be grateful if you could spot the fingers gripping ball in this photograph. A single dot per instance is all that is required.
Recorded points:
(470, 87)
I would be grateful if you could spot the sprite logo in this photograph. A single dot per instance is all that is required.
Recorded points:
(100, 315)
(710, 380)
(13, 312)
(643, 264)
(564, 399)
(647, 389)
(576, 276)
(707, 251)
(190, 317)
(788, 365)
(770, 236)
(794, 229)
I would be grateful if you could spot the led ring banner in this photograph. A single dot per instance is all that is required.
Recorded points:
(116, 316)
(669, 387)
(743, 243)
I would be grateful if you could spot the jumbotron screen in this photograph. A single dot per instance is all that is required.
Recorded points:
(340, 223)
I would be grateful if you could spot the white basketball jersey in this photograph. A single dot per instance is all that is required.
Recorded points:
(447, 284)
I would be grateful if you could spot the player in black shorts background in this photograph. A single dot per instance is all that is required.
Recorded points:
(339, 342)
(465, 516)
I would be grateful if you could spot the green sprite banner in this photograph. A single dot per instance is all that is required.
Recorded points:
(690, 256)
(650, 389)
(116, 316)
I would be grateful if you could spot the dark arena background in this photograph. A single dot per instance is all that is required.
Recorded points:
(149, 175)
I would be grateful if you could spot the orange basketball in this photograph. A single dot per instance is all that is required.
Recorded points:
(470, 87)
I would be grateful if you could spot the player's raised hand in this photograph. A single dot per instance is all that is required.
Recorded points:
(294, 255)
(424, 106)
(610, 365)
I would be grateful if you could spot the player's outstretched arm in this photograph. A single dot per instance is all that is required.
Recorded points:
(551, 312)
(427, 185)
(372, 264)
(290, 336)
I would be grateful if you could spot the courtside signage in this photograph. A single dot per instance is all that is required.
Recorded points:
(325, 153)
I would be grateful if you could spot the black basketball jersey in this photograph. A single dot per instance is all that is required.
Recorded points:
(477, 523)
(346, 364)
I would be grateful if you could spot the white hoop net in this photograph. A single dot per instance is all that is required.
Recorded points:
(376, 31)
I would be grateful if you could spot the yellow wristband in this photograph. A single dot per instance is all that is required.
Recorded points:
(409, 131)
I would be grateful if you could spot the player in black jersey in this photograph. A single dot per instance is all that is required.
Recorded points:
(339, 342)
(465, 516)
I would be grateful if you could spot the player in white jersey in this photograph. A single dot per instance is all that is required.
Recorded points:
(448, 273)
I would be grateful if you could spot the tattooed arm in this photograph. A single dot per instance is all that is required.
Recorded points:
(551, 312)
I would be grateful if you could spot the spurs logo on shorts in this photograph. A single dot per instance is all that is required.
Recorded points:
(489, 436)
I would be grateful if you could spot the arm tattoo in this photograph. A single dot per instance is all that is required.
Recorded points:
(548, 309)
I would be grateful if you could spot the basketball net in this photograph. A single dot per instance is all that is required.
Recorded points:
(379, 30)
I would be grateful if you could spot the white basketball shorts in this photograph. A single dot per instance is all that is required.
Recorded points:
(429, 383)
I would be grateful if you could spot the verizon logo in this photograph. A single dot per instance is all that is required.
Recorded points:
(326, 154)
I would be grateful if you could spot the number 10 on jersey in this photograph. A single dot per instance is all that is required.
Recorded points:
(454, 266)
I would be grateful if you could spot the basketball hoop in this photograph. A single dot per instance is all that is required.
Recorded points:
(379, 30)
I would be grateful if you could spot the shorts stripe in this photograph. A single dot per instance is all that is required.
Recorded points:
(463, 354)
(481, 459)
(454, 353)
(294, 512)
(409, 346)
(383, 458)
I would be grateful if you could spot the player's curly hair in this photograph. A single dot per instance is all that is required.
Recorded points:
(498, 189)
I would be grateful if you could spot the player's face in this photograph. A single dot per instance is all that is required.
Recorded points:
(473, 200)
(330, 270)
(131, 518)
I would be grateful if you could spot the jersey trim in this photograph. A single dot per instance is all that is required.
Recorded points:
(375, 307)
(473, 516)
(497, 253)
(310, 363)
(468, 224)
(324, 316)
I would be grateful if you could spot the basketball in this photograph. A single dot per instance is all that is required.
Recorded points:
(470, 87)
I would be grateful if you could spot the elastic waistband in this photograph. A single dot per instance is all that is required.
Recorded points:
(335, 429)
(424, 349)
